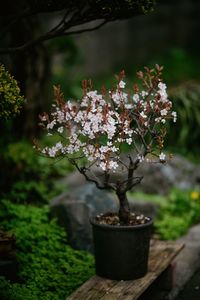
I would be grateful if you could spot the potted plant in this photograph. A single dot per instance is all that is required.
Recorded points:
(109, 133)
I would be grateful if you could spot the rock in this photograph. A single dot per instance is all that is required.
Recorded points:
(75, 208)
(143, 207)
(157, 178)
(74, 180)
(178, 172)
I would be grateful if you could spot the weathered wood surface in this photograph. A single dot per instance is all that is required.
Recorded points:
(97, 288)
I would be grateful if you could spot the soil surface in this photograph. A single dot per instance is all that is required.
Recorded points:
(191, 291)
(113, 219)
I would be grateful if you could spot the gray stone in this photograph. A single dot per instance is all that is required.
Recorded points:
(75, 208)
(143, 207)
(157, 178)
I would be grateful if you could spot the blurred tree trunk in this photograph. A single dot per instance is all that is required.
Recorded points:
(32, 70)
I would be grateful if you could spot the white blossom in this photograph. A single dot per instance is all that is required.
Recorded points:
(52, 151)
(140, 157)
(136, 98)
(60, 129)
(84, 102)
(162, 157)
(113, 165)
(162, 86)
(103, 166)
(51, 124)
(98, 126)
(142, 114)
(92, 94)
(164, 112)
(174, 115)
(116, 97)
(129, 106)
(129, 141)
(58, 146)
(122, 84)
(144, 93)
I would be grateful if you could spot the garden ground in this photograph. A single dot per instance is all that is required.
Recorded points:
(187, 268)
(192, 289)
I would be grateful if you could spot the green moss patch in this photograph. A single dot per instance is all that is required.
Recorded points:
(49, 268)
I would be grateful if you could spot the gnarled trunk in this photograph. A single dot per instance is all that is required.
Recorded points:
(124, 208)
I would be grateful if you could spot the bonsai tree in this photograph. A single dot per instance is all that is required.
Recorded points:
(112, 130)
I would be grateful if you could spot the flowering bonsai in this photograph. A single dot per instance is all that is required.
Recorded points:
(114, 130)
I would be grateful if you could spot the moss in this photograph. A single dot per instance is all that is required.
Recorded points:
(49, 268)
(123, 8)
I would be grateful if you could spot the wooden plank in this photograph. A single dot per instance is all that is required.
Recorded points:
(161, 254)
(96, 288)
(130, 290)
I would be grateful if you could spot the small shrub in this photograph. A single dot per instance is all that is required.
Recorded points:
(171, 227)
(179, 213)
(28, 176)
(186, 102)
(10, 99)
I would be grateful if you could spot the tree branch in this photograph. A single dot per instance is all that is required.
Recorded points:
(100, 185)
(87, 29)
(49, 35)
(128, 184)
(81, 12)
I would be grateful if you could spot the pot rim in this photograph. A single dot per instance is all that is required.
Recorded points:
(121, 227)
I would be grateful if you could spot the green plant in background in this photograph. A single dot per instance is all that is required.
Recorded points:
(49, 268)
(181, 210)
(178, 211)
(186, 102)
(65, 66)
(181, 65)
(29, 177)
(10, 99)
(182, 75)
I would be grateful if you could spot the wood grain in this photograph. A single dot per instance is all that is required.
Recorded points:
(96, 288)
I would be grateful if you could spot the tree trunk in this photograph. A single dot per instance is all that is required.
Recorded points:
(31, 69)
(124, 209)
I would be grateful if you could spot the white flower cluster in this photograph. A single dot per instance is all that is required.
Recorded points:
(98, 125)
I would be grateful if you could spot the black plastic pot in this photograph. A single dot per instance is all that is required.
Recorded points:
(121, 252)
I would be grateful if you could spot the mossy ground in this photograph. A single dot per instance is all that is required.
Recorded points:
(49, 269)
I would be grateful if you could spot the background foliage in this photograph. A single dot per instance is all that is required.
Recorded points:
(28, 177)
(10, 99)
